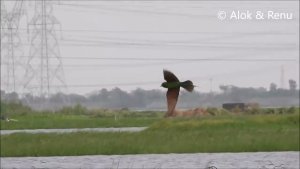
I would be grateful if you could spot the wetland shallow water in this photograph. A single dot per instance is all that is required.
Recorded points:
(263, 160)
(111, 129)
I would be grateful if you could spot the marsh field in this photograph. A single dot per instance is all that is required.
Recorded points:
(263, 129)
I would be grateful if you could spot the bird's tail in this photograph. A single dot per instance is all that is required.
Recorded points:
(188, 85)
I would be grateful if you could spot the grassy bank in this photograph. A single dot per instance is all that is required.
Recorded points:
(50, 121)
(231, 133)
(72, 117)
(81, 117)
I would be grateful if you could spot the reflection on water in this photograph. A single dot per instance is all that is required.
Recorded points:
(128, 129)
(264, 160)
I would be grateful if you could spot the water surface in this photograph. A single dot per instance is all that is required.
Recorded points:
(263, 160)
(112, 129)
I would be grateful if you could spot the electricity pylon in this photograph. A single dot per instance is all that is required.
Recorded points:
(282, 77)
(11, 51)
(44, 70)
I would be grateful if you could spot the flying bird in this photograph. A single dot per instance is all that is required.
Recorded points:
(173, 85)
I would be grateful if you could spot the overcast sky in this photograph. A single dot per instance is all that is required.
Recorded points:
(127, 44)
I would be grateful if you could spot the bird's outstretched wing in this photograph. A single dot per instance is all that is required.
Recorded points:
(170, 77)
(172, 97)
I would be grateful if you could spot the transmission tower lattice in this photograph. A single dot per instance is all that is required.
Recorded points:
(11, 51)
(282, 77)
(44, 70)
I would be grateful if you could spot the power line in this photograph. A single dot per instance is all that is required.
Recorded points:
(171, 60)
(194, 78)
(185, 41)
(260, 33)
(102, 44)
(105, 8)
(181, 59)
(174, 45)
(181, 45)
(150, 0)
(108, 84)
(94, 66)
(193, 42)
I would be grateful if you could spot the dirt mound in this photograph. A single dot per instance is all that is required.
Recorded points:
(189, 113)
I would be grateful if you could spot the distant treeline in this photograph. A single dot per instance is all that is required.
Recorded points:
(156, 100)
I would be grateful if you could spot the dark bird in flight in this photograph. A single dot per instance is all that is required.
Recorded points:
(173, 85)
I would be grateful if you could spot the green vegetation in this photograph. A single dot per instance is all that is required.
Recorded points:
(49, 121)
(81, 117)
(255, 129)
(73, 117)
(223, 133)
